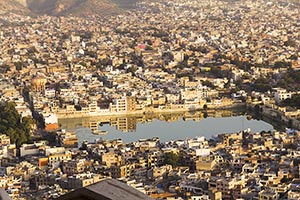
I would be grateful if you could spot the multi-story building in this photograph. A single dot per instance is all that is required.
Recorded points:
(282, 94)
(268, 195)
(111, 158)
(67, 139)
(205, 163)
(123, 104)
(121, 171)
(80, 180)
(73, 166)
(57, 158)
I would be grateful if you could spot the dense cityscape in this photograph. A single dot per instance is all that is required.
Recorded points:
(162, 58)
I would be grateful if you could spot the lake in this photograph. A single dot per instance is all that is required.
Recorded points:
(172, 127)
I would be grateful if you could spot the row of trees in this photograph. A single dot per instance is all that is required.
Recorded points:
(288, 80)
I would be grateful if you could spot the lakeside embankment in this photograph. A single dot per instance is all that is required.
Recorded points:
(273, 116)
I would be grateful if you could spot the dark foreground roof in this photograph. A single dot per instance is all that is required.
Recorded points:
(108, 189)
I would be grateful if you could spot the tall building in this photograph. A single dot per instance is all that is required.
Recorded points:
(131, 103)
(282, 94)
(123, 104)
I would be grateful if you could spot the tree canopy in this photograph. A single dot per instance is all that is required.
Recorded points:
(262, 85)
(293, 102)
(11, 124)
(171, 159)
(290, 80)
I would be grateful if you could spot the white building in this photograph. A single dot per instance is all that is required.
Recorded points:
(50, 118)
(200, 197)
(282, 94)
(50, 93)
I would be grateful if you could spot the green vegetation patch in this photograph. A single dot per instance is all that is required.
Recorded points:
(11, 124)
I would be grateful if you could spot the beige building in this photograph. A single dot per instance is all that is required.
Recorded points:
(38, 84)
(56, 158)
(80, 180)
(110, 159)
(205, 163)
(268, 195)
(121, 171)
(123, 104)
(73, 167)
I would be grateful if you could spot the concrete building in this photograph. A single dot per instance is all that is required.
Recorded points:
(268, 195)
(282, 94)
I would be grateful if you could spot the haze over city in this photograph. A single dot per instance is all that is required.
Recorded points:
(166, 99)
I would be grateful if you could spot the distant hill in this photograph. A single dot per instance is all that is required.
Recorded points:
(65, 7)
(14, 6)
(125, 4)
(72, 7)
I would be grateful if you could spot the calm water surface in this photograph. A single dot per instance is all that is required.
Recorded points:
(175, 130)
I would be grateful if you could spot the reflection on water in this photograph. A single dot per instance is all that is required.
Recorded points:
(129, 123)
(165, 126)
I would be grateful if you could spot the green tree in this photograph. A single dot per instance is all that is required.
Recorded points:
(289, 80)
(282, 64)
(208, 84)
(262, 85)
(171, 159)
(11, 124)
(293, 102)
